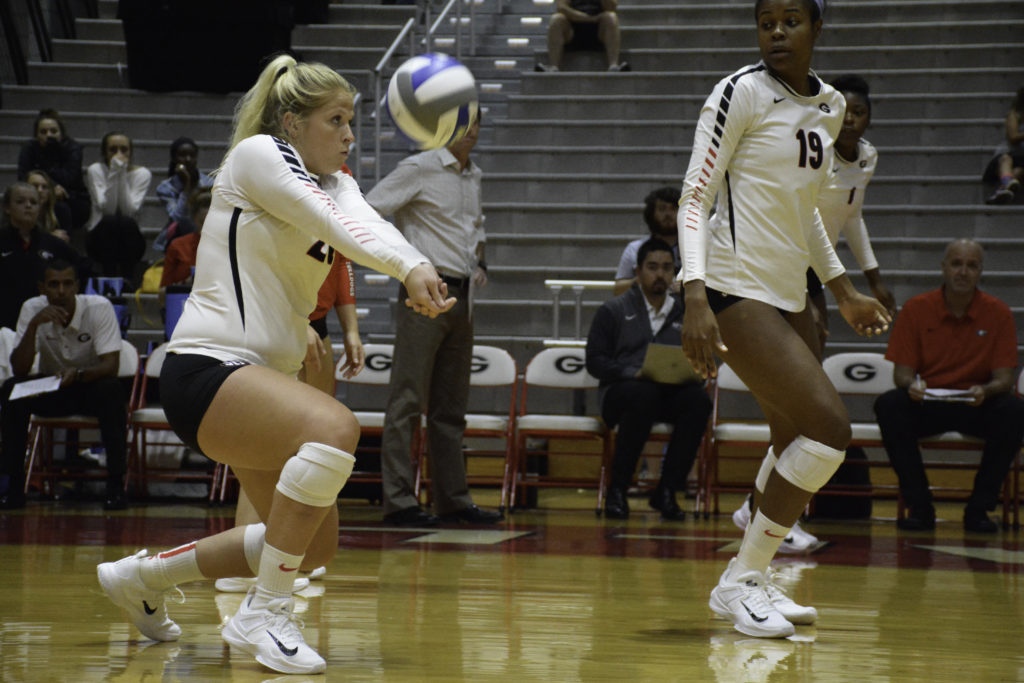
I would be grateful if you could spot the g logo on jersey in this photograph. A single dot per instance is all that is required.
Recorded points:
(824, 107)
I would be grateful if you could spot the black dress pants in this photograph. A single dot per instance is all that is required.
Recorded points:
(999, 421)
(635, 405)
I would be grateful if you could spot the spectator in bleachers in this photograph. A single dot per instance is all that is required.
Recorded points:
(660, 209)
(620, 334)
(51, 150)
(183, 177)
(435, 200)
(76, 337)
(54, 216)
(584, 25)
(117, 189)
(24, 247)
(1006, 168)
(954, 338)
(180, 258)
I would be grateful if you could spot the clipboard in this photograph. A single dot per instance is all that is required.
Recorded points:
(668, 364)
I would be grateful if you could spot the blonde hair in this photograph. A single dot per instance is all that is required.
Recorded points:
(285, 85)
(47, 216)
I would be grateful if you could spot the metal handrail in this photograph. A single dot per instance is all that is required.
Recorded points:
(15, 51)
(458, 27)
(577, 287)
(378, 75)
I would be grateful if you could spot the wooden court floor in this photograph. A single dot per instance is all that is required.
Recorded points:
(551, 595)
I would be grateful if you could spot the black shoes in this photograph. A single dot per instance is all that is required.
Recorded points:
(12, 500)
(977, 520)
(474, 515)
(615, 505)
(922, 519)
(664, 501)
(412, 516)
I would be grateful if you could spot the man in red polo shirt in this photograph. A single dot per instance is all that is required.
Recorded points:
(952, 338)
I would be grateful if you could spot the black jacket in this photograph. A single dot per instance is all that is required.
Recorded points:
(19, 268)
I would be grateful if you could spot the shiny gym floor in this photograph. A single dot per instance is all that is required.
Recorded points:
(553, 594)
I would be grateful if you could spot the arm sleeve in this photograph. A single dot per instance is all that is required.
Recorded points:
(724, 119)
(99, 183)
(856, 233)
(134, 193)
(346, 283)
(173, 200)
(263, 178)
(823, 255)
(107, 335)
(627, 263)
(600, 350)
(1005, 347)
(903, 345)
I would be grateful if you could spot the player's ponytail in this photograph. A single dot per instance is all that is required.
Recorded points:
(284, 85)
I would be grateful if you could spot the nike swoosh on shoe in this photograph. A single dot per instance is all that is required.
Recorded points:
(147, 609)
(290, 651)
(749, 611)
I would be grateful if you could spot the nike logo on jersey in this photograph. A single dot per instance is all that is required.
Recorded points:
(778, 99)
(630, 317)
(286, 569)
(147, 608)
(753, 616)
(6, 254)
(769, 533)
(286, 651)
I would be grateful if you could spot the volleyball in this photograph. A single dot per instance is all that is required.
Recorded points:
(432, 100)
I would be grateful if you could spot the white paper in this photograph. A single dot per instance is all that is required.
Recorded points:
(948, 395)
(34, 387)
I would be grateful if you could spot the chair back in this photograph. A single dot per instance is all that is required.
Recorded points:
(377, 369)
(560, 368)
(128, 360)
(155, 362)
(859, 372)
(7, 339)
(174, 304)
(728, 379)
(1020, 384)
(492, 366)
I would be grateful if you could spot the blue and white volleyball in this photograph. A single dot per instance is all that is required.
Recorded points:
(432, 100)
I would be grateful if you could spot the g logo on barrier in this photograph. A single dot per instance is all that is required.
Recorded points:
(569, 364)
(378, 361)
(860, 372)
(478, 364)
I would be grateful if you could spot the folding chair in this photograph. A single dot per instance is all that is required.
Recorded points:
(492, 367)
(41, 466)
(723, 432)
(863, 373)
(146, 418)
(562, 368)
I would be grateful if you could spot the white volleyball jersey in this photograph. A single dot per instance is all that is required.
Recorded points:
(765, 152)
(841, 201)
(268, 243)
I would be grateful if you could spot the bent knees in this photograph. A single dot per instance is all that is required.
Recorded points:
(334, 426)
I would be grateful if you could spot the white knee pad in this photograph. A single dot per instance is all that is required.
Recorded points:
(315, 474)
(809, 464)
(767, 465)
(252, 541)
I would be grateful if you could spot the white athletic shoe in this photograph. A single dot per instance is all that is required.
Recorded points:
(797, 541)
(242, 584)
(272, 636)
(317, 574)
(794, 613)
(147, 608)
(745, 603)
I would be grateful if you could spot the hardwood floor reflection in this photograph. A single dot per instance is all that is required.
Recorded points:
(553, 595)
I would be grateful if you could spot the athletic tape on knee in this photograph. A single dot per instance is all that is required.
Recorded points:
(809, 464)
(252, 541)
(315, 474)
(767, 465)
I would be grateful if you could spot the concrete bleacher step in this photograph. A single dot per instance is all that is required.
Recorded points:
(926, 80)
(675, 132)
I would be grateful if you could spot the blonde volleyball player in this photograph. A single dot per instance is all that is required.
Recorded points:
(840, 204)
(763, 146)
(280, 208)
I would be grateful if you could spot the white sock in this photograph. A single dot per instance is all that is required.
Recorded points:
(252, 541)
(276, 577)
(760, 543)
(767, 465)
(171, 567)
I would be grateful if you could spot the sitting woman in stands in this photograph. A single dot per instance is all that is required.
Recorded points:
(1006, 168)
(54, 216)
(51, 150)
(117, 189)
(281, 212)
(183, 178)
(181, 252)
